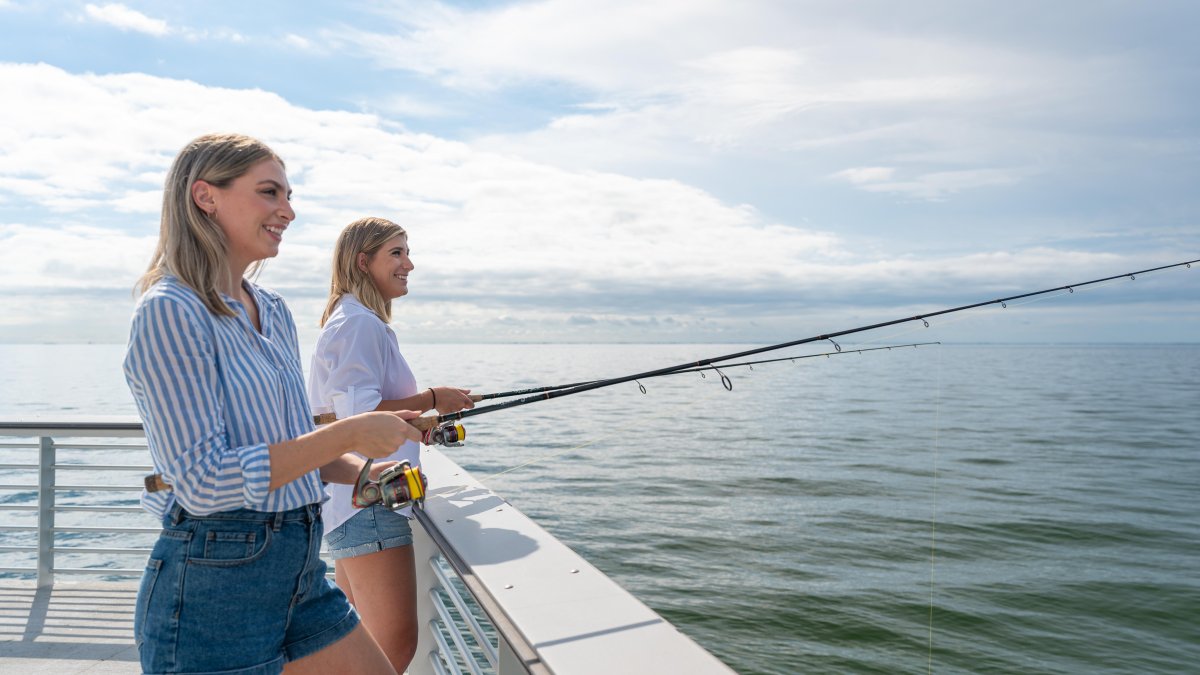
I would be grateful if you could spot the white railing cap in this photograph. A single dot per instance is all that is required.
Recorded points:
(577, 619)
(66, 426)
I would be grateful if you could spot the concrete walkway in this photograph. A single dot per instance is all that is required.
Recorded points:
(73, 627)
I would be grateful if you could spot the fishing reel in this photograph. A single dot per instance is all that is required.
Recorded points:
(450, 434)
(397, 487)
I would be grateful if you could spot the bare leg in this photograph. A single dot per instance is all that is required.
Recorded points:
(355, 653)
(383, 586)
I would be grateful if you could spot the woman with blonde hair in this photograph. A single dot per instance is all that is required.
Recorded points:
(235, 583)
(357, 367)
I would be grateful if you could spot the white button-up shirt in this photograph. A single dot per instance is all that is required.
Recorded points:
(356, 365)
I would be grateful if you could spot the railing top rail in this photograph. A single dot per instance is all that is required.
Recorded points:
(65, 427)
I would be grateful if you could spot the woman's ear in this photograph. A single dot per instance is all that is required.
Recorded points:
(204, 196)
(361, 260)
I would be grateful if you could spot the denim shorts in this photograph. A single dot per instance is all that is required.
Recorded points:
(237, 592)
(373, 529)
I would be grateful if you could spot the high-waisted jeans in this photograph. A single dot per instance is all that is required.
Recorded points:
(237, 592)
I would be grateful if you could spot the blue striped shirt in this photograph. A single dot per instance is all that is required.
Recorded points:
(213, 393)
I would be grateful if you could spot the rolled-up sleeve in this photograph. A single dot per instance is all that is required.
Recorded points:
(171, 367)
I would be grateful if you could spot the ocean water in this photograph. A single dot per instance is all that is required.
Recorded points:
(949, 509)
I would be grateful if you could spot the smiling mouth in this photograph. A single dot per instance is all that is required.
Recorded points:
(275, 230)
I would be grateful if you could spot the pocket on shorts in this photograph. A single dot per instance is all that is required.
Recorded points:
(337, 534)
(335, 537)
(230, 548)
(145, 589)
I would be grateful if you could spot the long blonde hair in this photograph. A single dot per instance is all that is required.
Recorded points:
(365, 235)
(191, 245)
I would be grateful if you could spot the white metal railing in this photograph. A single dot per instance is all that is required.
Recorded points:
(496, 593)
(86, 473)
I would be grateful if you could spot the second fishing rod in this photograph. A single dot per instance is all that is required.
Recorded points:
(724, 378)
(438, 432)
(431, 424)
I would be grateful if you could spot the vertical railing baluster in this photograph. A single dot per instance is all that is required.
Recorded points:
(425, 551)
(45, 534)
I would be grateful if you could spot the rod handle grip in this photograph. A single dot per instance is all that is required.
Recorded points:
(424, 423)
(421, 423)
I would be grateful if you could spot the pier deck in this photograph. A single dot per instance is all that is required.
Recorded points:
(71, 627)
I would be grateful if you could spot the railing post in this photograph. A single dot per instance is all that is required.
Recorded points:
(424, 551)
(45, 534)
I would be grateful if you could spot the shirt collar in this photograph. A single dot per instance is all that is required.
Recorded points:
(350, 305)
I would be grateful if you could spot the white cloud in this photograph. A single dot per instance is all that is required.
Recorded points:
(124, 18)
(504, 247)
(929, 186)
(580, 42)
(70, 258)
(402, 107)
(940, 184)
(730, 75)
(482, 224)
(866, 174)
(957, 105)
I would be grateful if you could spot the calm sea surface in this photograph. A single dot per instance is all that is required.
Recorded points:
(954, 509)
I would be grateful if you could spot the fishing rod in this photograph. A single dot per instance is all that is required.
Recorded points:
(431, 424)
(724, 380)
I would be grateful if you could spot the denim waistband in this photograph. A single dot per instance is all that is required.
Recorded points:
(308, 513)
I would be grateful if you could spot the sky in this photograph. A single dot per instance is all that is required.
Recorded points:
(649, 171)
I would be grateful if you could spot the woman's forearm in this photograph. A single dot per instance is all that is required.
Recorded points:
(421, 401)
(373, 434)
(292, 459)
(344, 469)
(442, 399)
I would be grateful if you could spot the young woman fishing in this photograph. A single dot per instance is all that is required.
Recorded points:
(357, 367)
(234, 583)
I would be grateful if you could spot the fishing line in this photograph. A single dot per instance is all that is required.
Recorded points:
(635, 422)
(923, 318)
(937, 426)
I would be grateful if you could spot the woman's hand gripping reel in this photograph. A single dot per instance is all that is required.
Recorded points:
(397, 486)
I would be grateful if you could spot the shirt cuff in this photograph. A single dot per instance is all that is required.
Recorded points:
(256, 473)
(354, 400)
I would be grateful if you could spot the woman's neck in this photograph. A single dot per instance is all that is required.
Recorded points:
(231, 283)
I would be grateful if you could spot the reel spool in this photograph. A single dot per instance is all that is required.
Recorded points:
(450, 434)
(398, 486)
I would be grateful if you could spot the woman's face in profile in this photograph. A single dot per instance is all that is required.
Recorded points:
(254, 210)
(389, 267)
